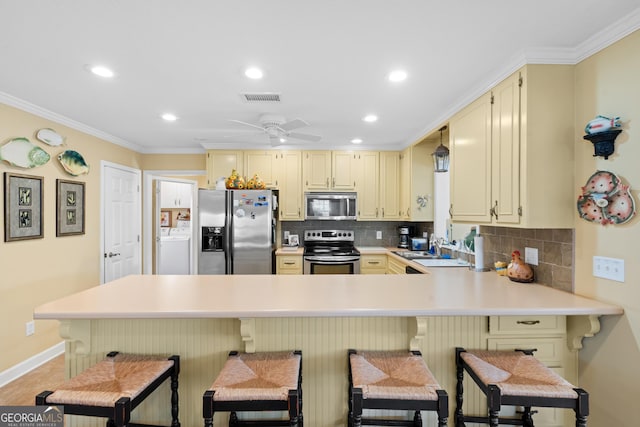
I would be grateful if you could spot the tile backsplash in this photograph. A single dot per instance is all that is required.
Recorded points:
(365, 231)
(555, 252)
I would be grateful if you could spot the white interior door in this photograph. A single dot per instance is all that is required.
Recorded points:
(122, 216)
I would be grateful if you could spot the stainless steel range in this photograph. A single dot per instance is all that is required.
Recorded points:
(330, 252)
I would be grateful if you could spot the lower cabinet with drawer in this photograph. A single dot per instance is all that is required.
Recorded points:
(548, 335)
(395, 267)
(373, 264)
(289, 264)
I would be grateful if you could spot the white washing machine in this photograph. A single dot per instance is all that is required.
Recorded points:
(175, 249)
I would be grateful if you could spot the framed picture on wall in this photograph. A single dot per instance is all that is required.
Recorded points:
(165, 219)
(69, 208)
(22, 207)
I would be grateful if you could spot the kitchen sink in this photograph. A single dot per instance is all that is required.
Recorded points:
(416, 255)
(443, 262)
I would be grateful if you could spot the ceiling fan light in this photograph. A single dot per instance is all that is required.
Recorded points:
(253, 73)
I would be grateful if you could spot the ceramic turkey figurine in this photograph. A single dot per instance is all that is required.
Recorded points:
(518, 270)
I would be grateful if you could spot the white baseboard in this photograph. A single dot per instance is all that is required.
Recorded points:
(30, 364)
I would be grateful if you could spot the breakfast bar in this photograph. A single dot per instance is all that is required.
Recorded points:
(202, 318)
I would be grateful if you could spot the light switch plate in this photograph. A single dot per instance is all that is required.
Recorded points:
(608, 268)
(531, 256)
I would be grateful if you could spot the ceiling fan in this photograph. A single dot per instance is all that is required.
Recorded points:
(279, 130)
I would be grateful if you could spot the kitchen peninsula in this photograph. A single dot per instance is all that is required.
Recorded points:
(203, 317)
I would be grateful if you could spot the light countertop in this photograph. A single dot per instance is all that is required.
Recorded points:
(443, 292)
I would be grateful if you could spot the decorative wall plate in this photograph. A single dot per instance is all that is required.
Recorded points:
(606, 200)
(23, 153)
(50, 137)
(73, 162)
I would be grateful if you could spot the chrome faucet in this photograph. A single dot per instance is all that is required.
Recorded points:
(438, 244)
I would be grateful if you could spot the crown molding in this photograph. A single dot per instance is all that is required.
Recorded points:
(608, 35)
(28, 107)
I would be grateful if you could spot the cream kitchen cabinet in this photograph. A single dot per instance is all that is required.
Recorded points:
(289, 264)
(328, 170)
(390, 185)
(288, 179)
(394, 266)
(373, 264)
(368, 184)
(546, 334)
(510, 150)
(416, 182)
(221, 162)
(261, 163)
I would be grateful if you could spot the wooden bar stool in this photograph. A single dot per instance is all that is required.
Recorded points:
(267, 381)
(515, 378)
(115, 386)
(393, 380)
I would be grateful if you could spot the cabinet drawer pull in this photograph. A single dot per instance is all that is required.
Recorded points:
(373, 262)
(289, 263)
(528, 322)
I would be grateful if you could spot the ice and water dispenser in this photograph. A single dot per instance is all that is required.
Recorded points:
(212, 239)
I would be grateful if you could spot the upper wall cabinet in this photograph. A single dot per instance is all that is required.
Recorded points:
(510, 150)
(328, 170)
(261, 163)
(221, 162)
(368, 184)
(389, 185)
(288, 179)
(175, 195)
(416, 182)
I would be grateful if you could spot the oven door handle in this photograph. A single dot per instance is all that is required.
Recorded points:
(328, 261)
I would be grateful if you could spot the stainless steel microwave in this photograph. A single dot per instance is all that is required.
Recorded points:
(331, 206)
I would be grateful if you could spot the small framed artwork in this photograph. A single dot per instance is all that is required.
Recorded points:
(69, 207)
(22, 207)
(165, 219)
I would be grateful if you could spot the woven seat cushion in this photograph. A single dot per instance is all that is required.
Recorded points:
(517, 374)
(257, 376)
(124, 375)
(398, 375)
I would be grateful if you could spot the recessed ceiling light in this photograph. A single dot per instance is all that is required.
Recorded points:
(370, 118)
(283, 140)
(253, 73)
(356, 141)
(397, 76)
(102, 71)
(169, 117)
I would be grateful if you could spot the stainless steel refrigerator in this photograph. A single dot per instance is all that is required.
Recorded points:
(236, 231)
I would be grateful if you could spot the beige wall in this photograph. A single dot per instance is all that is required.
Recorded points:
(36, 271)
(608, 83)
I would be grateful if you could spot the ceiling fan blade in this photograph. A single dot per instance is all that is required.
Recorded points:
(304, 136)
(293, 124)
(247, 124)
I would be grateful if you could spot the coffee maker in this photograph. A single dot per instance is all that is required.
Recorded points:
(405, 231)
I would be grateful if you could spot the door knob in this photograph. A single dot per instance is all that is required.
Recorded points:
(112, 254)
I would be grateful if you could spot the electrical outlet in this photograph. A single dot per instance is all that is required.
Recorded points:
(30, 328)
(531, 256)
(608, 268)
(378, 235)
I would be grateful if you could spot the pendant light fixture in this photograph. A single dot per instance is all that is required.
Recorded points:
(441, 155)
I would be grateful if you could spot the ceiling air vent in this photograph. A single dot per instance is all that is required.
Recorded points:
(261, 97)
